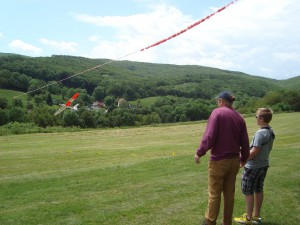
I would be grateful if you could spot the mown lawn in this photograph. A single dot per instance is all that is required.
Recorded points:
(133, 176)
(10, 94)
(145, 101)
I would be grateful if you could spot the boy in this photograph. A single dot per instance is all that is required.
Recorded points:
(256, 168)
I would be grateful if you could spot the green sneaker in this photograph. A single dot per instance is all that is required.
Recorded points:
(242, 220)
(256, 220)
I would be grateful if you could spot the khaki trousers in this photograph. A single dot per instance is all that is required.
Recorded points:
(221, 178)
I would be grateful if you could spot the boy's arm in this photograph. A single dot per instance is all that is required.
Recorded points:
(253, 152)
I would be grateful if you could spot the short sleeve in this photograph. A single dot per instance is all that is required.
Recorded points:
(258, 139)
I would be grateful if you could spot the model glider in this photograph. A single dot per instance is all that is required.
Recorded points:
(68, 105)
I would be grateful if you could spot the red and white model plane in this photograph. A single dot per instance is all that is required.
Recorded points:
(68, 105)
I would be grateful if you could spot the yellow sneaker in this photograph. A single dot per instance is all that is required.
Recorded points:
(256, 220)
(242, 220)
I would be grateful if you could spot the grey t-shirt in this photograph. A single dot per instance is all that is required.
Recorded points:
(262, 139)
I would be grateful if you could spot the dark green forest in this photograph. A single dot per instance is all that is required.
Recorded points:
(177, 93)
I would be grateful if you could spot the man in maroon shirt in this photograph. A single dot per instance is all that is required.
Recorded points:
(227, 139)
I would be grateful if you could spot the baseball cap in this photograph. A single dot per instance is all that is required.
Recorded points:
(227, 96)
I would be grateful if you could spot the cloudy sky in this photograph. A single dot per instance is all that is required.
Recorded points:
(253, 36)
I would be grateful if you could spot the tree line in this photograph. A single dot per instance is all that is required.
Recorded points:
(166, 109)
(40, 110)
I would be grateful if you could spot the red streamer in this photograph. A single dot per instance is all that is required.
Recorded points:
(188, 28)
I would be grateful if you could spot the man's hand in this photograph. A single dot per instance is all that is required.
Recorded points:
(197, 159)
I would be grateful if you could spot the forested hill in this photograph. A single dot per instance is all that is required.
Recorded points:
(132, 80)
(126, 93)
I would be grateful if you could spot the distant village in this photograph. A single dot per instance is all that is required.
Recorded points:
(121, 102)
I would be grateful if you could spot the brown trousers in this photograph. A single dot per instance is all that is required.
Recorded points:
(221, 178)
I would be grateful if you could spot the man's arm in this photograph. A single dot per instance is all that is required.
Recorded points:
(245, 151)
(208, 138)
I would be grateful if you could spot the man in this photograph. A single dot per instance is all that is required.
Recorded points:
(227, 137)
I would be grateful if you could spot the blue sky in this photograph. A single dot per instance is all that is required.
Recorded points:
(253, 36)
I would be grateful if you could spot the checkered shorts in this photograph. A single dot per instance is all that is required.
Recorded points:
(253, 180)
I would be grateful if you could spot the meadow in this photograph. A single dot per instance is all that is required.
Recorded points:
(144, 175)
(10, 94)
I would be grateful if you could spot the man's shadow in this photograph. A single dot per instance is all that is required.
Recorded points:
(270, 223)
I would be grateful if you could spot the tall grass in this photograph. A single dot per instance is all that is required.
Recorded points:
(132, 176)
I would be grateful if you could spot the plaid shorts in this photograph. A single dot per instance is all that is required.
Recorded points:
(253, 180)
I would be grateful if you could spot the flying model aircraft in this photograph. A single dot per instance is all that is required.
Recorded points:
(68, 105)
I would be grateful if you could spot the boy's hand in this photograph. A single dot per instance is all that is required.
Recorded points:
(242, 164)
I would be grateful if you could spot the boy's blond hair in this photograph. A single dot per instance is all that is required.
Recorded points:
(266, 114)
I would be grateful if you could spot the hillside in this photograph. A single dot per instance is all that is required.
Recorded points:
(133, 80)
(149, 93)
(292, 83)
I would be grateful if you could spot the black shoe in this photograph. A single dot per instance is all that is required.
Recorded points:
(205, 222)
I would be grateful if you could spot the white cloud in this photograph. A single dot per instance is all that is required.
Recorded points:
(287, 56)
(1, 35)
(62, 46)
(93, 38)
(136, 31)
(160, 16)
(250, 36)
(245, 36)
(20, 45)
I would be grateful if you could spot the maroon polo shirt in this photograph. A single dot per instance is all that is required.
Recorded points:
(225, 135)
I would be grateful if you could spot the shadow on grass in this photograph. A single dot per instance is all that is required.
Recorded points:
(270, 223)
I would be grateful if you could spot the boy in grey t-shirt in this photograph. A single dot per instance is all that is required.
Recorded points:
(256, 168)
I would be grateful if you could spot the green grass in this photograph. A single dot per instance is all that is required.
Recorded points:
(10, 94)
(131, 176)
(145, 101)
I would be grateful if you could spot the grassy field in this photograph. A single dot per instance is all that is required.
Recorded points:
(133, 176)
(145, 101)
(10, 94)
